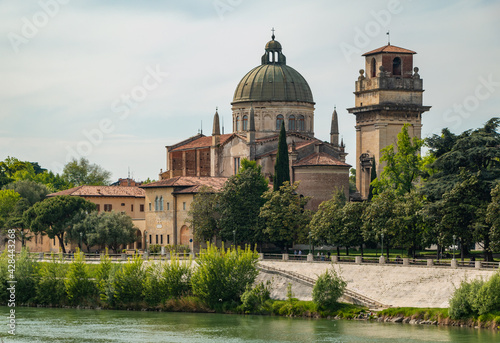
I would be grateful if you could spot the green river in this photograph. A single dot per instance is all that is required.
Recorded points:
(71, 325)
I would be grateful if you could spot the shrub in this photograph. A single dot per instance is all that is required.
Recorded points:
(154, 248)
(26, 276)
(253, 299)
(51, 289)
(223, 275)
(328, 289)
(128, 282)
(487, 298)
(4, 264)
(102, 276)
(463, 300)
(80, 289)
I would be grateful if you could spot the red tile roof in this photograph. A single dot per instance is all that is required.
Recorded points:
(388, 49)
(102, 191)
(298, 146)
(320, 159)
(202, 142)
(189, 181)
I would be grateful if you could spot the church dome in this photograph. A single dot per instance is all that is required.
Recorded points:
(273, 80)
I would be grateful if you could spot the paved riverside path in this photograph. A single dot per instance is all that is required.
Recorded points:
(392, 285)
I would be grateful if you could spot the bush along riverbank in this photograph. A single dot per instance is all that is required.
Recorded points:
(223, 282)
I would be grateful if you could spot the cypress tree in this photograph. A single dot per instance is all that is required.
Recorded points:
(282, 165)
(373, 176)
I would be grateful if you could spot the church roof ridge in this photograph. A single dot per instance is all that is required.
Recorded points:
(388, 49)
(320, 159)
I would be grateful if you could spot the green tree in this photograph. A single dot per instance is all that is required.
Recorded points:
(352, 181)
(54, 216)
(240, 203)
(282, 164)
(404, 164)
(82, 172)
(111, 229)
(127, 284)
(51, 290)
(493, 217)
(285, 218)
(326, 225)
(8, 200)
(373, 176)
(80, 289)
(204, 215)
(352, 225)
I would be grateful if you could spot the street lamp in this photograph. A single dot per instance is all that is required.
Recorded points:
(454, 238)
(382, 253)
(145, 241)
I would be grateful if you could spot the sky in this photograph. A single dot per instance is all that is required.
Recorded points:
(116, 81)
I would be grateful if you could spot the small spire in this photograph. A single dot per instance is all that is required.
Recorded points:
(388, 37)
(216, 127)
(273, 34)
(334, 129)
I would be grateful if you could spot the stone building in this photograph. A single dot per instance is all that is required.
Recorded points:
(266, 96)
(388, 94)
(128, 200)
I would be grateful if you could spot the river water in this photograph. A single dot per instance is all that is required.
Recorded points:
(71, 325)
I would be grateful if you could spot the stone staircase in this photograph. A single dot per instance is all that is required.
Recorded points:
(349, 296)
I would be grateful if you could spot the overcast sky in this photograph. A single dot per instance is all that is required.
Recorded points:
(117, 81)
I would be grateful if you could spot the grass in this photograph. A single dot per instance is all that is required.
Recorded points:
(434, 314)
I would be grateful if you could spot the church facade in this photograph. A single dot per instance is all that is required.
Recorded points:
(267, 96)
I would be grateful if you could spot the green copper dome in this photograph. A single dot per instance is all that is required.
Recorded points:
(273, 80)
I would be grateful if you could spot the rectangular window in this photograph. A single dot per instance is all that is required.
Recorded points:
(108, 207)
(141, 208)
(132, 208)
(150, 206)
(168, 239)
(161, 239)
(184, 206)
(123, 204)
(168, 206)
(54, 241)
(98, 207)
(41, 239)
(236, 165)
(156, 239)
(150, 239)
(36, 239)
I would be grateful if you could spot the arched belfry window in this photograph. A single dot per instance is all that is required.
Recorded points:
(279, 121)
(373, 68)
(291, 123)
(396, 66)
(245, 123)
(301, 126)
(237, 124)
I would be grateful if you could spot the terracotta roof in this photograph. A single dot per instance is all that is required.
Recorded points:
(390, 48)
(202, 142)
(298, 146)
(189, 181)
(102, 191)
(320, 159)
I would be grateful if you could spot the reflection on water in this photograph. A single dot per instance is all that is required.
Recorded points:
(69, 325)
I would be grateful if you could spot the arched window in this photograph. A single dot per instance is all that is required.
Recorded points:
(396, 66)
(245, 123)
(373, 68)
(291, 123)
(161, 203)
(156, 203)
(302, 126)
(279, 120)
(237, 123)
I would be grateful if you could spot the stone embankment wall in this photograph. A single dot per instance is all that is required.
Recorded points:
(393, 285)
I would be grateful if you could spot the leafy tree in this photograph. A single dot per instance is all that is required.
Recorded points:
(26, 276)
(352, 225)
(379, 218)
(352, 181)
(240, 203)
(285, 218)
(328, 288)
(80, 289)
(204, 215)
(493, 216)
(373, 176)
(326, 224)
(404, 164)
(127, 285)
(32, 191)
(223, 275)
(8, 200)
(54, 182)
(111, 229)
(83, 173)
(282, 164)
(54, 216)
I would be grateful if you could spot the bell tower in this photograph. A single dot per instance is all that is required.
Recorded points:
(387, 96)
